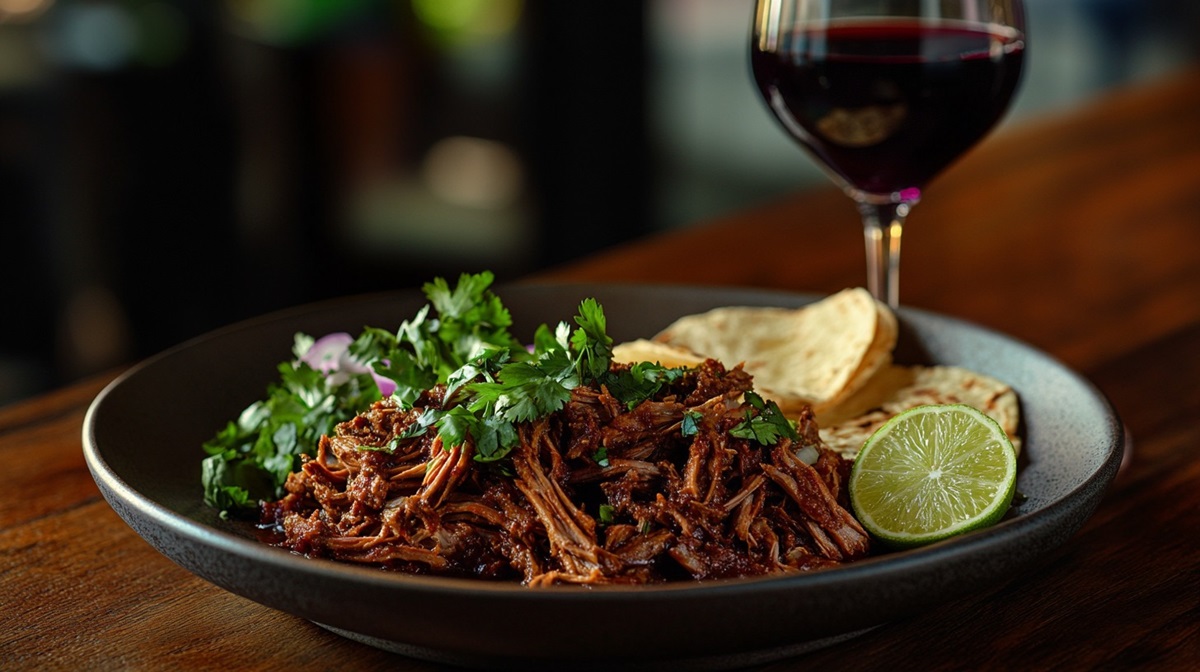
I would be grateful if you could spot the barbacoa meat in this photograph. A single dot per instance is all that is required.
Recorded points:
(594, 494)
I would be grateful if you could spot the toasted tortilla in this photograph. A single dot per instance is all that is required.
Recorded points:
(898, 388)
(817, 355)
(644, 350)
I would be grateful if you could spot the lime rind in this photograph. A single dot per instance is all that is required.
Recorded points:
(933, 472)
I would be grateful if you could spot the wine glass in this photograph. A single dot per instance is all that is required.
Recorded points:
(885, 94)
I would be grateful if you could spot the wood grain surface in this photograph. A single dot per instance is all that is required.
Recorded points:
(1079, 234)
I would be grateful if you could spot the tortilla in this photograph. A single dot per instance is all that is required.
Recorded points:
(818, 354)
(643, 350)
(898, 388)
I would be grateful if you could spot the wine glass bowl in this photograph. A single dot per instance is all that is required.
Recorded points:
(885, 94)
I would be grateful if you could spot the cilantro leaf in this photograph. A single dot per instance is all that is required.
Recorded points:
(484, 366)
(591, 342)
(642, 381)
(470, 317)
(767, 425)
(455, 425)
(607, 513)
(494, 439)
(410, 376)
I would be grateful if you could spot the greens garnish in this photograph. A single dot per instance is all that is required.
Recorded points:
(251, 457)
(766, 426)
(461, 340)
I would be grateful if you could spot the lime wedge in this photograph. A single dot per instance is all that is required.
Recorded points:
(933, 472)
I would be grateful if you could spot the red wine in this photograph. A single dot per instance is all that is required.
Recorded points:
(887, 104)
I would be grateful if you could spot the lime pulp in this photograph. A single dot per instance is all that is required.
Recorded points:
(933, 472)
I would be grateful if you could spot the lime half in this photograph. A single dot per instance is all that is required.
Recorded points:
(933, 472)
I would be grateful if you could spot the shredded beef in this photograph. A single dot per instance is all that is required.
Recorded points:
(658, 506)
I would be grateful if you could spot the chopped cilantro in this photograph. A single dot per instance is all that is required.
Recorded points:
(643, 381)
(764, 422)
(601, 456)
(607, 514)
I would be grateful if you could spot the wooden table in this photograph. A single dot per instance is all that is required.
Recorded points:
(1079, 234)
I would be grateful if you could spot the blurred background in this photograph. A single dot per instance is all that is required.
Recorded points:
(171, 166)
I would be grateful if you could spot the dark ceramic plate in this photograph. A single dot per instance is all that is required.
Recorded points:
(142, 439)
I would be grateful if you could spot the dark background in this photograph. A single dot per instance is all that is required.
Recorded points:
(171, 166)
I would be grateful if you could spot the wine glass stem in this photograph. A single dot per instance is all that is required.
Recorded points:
(883, 224)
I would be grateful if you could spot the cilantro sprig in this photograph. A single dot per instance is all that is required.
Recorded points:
(764, 422)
